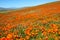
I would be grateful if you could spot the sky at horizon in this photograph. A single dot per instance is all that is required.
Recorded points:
(22, 3)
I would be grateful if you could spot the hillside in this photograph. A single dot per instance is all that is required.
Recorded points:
(40, 22)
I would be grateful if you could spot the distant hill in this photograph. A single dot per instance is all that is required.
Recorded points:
(3, 10)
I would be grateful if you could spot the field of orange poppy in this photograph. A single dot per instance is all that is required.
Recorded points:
(35, 23)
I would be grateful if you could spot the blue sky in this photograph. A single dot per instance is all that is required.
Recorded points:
(22, 3)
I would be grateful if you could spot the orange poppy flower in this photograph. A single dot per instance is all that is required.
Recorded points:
(44, 33)
(55, 30)
(10, 35)
(54, 26)
(27, 31)
(5, 38)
